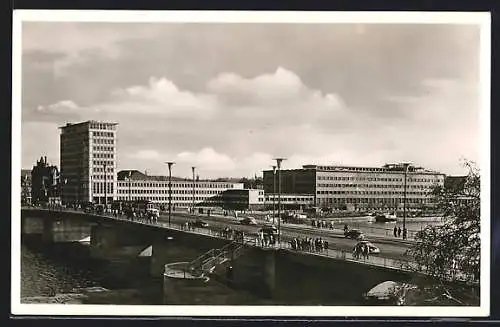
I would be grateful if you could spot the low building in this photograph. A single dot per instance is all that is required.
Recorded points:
(45, 186)
(360, 188)
(134, 185)
(238, 199)
(289, 201)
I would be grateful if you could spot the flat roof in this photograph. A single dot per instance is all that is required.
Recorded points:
(87, 122)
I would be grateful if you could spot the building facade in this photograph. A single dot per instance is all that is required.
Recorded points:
(45, 187)
(359, 188)
(25, 187)
(133, 185)
(88, 162)
(290, 201)
(238, 199)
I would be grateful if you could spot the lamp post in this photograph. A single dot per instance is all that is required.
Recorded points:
(193, 169)
(129, 186)
(170, 164)
(105, 187)
(405, 167)
(278, 164)
(274, 192)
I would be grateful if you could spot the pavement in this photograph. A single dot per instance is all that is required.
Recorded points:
(390, 248)
(337, 233)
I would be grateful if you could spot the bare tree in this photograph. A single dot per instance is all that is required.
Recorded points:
(451, 252)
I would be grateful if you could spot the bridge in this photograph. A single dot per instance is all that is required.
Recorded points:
(179, 252)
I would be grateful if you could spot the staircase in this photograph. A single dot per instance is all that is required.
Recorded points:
(208, 261)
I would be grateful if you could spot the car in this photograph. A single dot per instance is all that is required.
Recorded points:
(199, 223)
(248, 221)
(354, 234)
(371, 247)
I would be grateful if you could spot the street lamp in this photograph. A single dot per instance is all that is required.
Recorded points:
(405, 170)
(193, 169)
(170, 164)
(129, 187)
(274, 192)
(278, 164)
(105, 187)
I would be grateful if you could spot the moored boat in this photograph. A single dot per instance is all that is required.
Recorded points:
(385, 218)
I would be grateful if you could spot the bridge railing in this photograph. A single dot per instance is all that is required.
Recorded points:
(251, 239)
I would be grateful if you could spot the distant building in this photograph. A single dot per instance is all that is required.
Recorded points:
(358, 188)
(133, 185)
(290, 201)
(44, 183)
(238, 199)
(25, 186)
(88, 162)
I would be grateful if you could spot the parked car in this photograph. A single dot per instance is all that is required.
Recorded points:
(199, 223)
(354, 234)
(371, 247)
(248, 221)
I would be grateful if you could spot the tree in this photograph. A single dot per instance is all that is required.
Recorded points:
(451, 251)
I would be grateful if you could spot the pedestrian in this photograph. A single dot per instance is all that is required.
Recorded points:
(395, 231)
(365, 251)
(405, 233)
(399, 231)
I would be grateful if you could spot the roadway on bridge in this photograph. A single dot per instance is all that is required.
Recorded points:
(390, 248)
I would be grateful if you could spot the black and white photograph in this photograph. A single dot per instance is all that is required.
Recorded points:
(250, 163)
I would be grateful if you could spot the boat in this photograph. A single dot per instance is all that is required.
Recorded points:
(385, 218)
(386, 293)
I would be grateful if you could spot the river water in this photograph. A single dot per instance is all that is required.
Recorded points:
(63, 273)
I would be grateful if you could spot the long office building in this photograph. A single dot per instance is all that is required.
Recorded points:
(133, 185)
(359, 188)
(88, 162)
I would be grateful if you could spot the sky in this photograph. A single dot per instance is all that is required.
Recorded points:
(228, 98)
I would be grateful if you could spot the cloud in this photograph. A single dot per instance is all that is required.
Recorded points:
(273, 115)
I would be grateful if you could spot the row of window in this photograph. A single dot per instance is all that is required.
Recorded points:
(373, 200)
(103, 141)
(108, 177)
(376, 179)
(98, 187)
(104, 155)
(419, 186)
(101, 169)
(103, 134)
(161, 198)
(287, 199)
(142, 191)
(374, 192)
(103, 148)
(109, 163)
(102, 126)
(178, 185)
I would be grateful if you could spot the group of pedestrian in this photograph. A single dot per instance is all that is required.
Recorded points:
(322, 224)
(361, 250)
(398, 231)
(188, 226)
(265, 239)
(309, 244)
(232, 234)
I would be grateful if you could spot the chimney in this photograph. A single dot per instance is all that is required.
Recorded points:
(45, 160)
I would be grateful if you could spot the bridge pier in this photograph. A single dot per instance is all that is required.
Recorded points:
(159, 258)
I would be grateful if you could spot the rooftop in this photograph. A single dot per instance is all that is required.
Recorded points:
(385, 168)
(137, 175)
(87, 122)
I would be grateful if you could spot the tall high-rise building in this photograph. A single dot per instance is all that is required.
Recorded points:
(88, 162)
